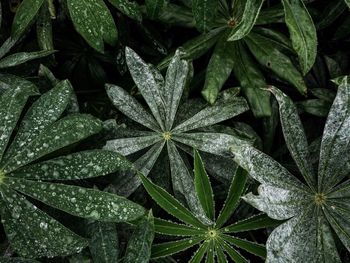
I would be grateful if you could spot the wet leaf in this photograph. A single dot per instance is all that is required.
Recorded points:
(173, 247)
(302, 32)
(22, 57)
(129, 8)
(25, 15)
(246, 23)
(204, 12)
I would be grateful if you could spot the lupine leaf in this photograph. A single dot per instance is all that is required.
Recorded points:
(148, 85)
(126, 185)
(210, 254)
(126, 146)
(294, 132)
(139, 246)
(93, 27)
(8, 81)
(86, 164)
(79, 201)
(12, 102)
(170, 228)
(22, 57)
(204, 12)
(176, 79)
(24, 16)
(334, 162)
(252, 223)
(129, 8)
(173, 247)
(222, 110)
(199, 254)
(43, 112)
(268, 55)
(218, 70)
(295, 239)
(302, 32)
(203, 187)
(250, 14)
(44, 28)
(27, 229)
(62, 133)
(236, 190)
(130, 107)
(103, 244)
(220, 255)
(169, 203)
(183, 183)
(252, 81)
(233, 254)
(347, 2)
(215, 143)
(251, 247)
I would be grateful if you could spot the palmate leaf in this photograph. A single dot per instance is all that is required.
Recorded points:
(30, 231)
(173, 247)
(246, 23)
(302, 32)
(311, 212)
(200, 253)
(174, 229)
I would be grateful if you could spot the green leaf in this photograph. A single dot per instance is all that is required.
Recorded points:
(81, 165)
(302, 32)
(148, 85)
(218, 70)
(204, 12)
(155, 7)
(174, 229)
(334, 162)
(233, 254)
(237, 188)
(246, 23)
(25, 14)
(169, 203)
(27, 227)
(296, 237)
(94, 22)
(139, 246)
(44, 28)
(126, 146)
(271, 15)
(12, 102)
(173, 247)
(126, 185)
(175, 82)
(103, 244)
(183, 183)
(253, 223)
(226, 108)
(78, 201)
(22, 57)
(214, 143)
(210, 254)
(269, 55)
(347, 2)
(220, 255)
(203, 187)
(43, 112)
(131, 107)
(252, 81)
(129, 8)
(64, 132)
(199, 254)
(295, 137)
(8, 81)
(251, 247)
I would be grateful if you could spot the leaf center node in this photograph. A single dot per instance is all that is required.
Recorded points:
(320, 198)
(167, 135)
(212, 234)
(232, 22)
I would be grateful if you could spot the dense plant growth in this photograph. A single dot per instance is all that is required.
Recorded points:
(107, 106)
